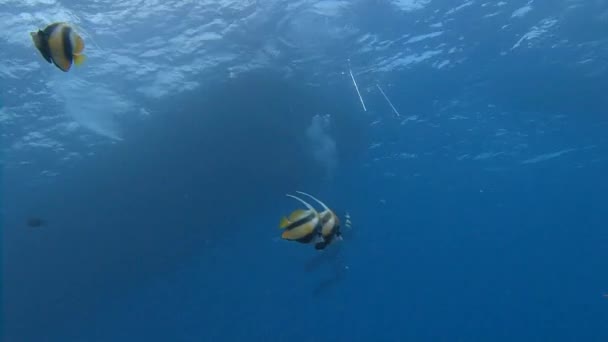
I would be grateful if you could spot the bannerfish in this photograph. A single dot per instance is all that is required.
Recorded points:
(302, 225)
(59, 44)
(330, 223)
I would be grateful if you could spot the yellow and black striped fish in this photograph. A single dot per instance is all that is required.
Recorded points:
(330, 224)
(302, 225)
(59, 44)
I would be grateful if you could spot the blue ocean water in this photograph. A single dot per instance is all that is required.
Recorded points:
(474, 176)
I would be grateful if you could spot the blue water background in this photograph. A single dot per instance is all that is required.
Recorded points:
(172, 234)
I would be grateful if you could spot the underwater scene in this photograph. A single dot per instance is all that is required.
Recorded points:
(304, 170)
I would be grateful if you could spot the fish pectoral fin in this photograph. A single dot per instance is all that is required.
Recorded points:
(79, 59)
(284, 223)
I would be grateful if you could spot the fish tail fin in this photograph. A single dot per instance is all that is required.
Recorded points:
(79, 45)
(284, 223)
(79, 59)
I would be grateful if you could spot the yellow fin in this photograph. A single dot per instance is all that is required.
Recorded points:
(79, 59)
(79, 45)
(284, 223)
(299, 232)
(298, 214)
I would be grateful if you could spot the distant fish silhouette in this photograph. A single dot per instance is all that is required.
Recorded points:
(35, 222)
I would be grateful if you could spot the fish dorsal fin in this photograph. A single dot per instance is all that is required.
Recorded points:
(310, 207)
(297, 215)
(314, 198)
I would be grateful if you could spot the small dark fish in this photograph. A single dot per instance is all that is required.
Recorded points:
(35, 222)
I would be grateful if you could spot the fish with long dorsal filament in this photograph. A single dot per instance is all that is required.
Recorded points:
(302, 225)
(330, 223)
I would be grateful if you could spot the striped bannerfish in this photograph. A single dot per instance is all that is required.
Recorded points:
(59, 44)
(302, 225)
(330, 224)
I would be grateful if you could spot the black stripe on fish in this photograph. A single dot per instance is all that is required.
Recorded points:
(307, 239)
(329, 238)
(43, 46)
(49, 30)
(301, 221)
(67, 43)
